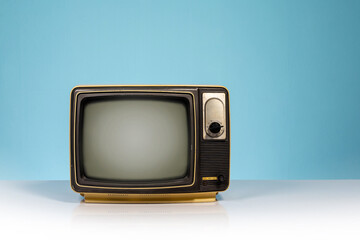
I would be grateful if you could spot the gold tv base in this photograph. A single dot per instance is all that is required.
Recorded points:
(150, 198)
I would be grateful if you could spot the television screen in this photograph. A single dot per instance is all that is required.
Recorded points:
(135, 139)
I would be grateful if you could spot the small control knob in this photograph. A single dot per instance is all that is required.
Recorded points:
(221, 178)
(215, 127)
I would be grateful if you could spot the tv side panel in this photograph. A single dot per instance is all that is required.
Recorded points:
(214, 154)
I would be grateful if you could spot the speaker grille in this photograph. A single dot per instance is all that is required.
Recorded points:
(214, 161)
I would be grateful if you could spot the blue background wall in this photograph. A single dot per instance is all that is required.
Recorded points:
(292, 68)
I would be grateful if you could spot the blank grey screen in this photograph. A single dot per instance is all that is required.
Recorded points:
(135, 139)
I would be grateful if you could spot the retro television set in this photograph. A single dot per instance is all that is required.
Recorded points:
(149, 144)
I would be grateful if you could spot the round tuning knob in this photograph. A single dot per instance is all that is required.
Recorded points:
(215, 127)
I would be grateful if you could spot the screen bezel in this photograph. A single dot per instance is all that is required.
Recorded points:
(82, 97)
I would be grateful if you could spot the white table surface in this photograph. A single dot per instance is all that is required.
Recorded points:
(248, 210)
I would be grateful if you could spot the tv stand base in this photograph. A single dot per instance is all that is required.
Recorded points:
(149, 198)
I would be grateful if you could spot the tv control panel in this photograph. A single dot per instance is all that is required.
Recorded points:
(214, 116)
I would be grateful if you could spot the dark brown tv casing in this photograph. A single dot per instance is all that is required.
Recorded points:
(209, 171)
